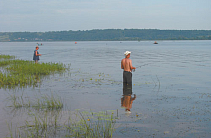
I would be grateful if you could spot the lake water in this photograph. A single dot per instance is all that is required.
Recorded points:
(171, 83)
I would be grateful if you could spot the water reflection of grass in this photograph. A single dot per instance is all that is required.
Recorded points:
(24, 73)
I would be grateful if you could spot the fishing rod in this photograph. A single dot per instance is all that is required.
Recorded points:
(133, 70)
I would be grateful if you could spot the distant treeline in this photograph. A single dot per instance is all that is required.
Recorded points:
(107, 35)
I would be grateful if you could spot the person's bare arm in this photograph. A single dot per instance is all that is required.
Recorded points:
(122, 67)
(37, 54)
(131, 67)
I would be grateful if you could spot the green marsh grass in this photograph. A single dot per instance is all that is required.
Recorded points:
(5, 62)
(10, 80)
(45, 102)
(6, 57)
(49, 102)
(25, 73)
(77, 125)
(91, 125)
(30, 68)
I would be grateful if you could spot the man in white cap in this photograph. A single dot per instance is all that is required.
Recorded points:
(126, 64)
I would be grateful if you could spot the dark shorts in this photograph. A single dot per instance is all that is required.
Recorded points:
(127, 77)
(127, 89)
(36, 58)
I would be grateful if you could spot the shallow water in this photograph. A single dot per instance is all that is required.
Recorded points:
(171, 83)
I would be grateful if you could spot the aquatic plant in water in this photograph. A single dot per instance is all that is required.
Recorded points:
(10, 80)
(45, 102)
(89, 125)
(49, 102)
(6, 57)
(25, 73)
(30, 68)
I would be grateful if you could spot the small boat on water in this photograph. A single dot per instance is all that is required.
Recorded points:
(155, 42)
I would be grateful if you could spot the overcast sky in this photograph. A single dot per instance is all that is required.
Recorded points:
(62, 15)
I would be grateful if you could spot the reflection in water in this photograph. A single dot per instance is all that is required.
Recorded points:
(37, 80)
(127, 99)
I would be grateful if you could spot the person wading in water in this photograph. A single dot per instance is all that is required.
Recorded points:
(126, 64)
(36, 55)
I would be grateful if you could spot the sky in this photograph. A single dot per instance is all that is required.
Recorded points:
(65, 15)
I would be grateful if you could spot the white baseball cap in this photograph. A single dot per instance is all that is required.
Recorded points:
(127, 52)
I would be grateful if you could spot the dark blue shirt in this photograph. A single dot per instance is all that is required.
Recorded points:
(36, 57)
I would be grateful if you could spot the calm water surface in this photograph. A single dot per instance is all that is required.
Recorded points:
(171, 83)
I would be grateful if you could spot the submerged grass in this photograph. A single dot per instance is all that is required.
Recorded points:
(25, 73)
(79, 125)
(91, 125)
(45, 102)
(49, 102)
